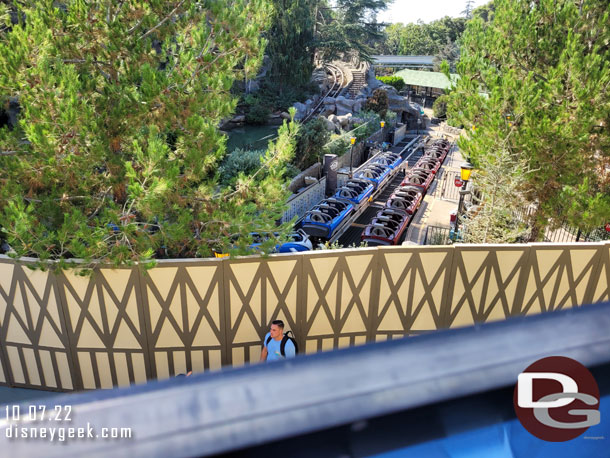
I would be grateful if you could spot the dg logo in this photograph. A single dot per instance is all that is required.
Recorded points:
(557, 399)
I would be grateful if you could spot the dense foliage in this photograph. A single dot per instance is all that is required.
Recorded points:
(258, 111)
(291, 47)
(117, 150)
(239, 162)
(440, 107)
(437, 38)
(395, 81)
(310, 143)
(304, 29)
(545, 69)
(369, 125)
(499, 216)
(345, 27)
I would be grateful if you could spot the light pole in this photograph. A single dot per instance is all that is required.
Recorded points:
(382, 124)
(352, 140)
(465, 172)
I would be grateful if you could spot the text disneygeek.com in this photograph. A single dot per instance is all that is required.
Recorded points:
(51, 424)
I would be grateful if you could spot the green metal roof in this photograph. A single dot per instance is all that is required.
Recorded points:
(426, 79)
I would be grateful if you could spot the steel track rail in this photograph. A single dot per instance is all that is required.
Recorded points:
(339, 79)
(380, 190)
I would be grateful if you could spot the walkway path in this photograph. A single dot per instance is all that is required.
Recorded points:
(436, 208)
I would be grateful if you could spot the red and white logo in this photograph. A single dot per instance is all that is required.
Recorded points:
(557, 399)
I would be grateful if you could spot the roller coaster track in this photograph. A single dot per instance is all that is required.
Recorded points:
(338, 82)
(388, 185)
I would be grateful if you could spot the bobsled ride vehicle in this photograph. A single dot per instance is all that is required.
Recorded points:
(387, 159)
(437, 148)
(428, 163)
(441, 143)
(323, 219)
(387, 228)
(406, 198)
(355, 190)
(435, 153)
(420, 178)
(297, 241)
(374, 173)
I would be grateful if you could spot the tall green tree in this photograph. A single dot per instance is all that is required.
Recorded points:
(302, 29)
(117, 150)
(348, 26)
(468, 9)
(291, 35)
(439, 38)
(485, 12)
(545, 69)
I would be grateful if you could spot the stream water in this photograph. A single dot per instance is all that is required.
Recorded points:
(250, 137)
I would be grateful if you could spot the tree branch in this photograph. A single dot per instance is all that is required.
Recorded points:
(118, 9)
(130, 31)
(101, 203)
(524, 68)
(84, 61)
(163, 20)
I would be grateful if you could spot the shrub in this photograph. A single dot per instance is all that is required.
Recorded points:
(395, 81)
(390, 118)
(258, 113)
(277, 96)
(338, 145)
(440, 107)
(372, 124)
(310, 142)
(291, 171)
(246, 161)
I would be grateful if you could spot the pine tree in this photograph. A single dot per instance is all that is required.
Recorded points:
(545, 69)
(498, 201)
(468, 9)
(291, 47)
(117, 150)
(348, 27)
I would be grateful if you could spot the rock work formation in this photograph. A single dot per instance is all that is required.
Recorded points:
(339, 112)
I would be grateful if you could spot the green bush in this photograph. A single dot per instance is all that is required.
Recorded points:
(291, 171)
(395, 81)
(310, 142)
(440, 107)
(240, 160)
(338, 145)
(371, 119)
(258, 113)
(390, 118)
(277, 96)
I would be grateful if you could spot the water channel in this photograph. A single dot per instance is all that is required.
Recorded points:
(250, 137)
